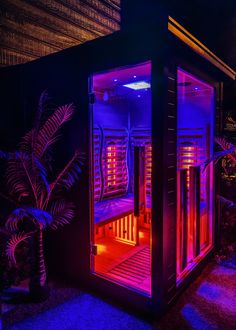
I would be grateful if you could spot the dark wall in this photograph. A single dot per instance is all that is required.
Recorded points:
(213, 21)
(12, 118)
(141, 15)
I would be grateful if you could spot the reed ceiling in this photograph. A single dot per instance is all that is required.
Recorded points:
(30, 29)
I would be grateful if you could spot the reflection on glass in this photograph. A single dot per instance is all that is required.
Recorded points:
(195, 126)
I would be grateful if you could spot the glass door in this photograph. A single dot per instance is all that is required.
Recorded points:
(122, 161)
(195, 140)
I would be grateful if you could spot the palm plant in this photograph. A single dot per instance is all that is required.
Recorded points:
(228, 150)
(40, 203)
(227, 155)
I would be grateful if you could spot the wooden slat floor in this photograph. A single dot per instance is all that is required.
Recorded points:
(130, 265)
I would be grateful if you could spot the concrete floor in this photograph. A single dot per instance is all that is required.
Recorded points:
(209, 303)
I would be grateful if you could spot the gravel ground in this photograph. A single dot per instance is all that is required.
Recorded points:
(209, 303)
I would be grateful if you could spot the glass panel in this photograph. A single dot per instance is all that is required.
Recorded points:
(122, 176)
(195, 129)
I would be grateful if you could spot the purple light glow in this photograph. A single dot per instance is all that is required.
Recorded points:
(105, 96)
(221, 296)
(195, 319)
(82, 312)
(122, 76)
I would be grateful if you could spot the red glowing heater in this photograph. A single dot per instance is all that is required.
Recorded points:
(146, 118)
(193, 216)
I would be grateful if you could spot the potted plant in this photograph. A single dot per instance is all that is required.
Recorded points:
(40, 203)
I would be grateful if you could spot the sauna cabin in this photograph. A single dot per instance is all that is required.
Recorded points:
(122, 174)
(148, 104)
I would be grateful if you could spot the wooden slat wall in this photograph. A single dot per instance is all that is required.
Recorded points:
(30, 29)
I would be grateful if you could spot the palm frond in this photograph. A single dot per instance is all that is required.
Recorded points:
(18, 176)
(62, 212)
(37, 216)
(227, 203)
(13, 243)
(41, 107)
(218, 155)
(26, 143)
(70, 174)
(41, 182)
(47, 134)
(40, 217)
(14, 219)
(223, 143)
(26, 176)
